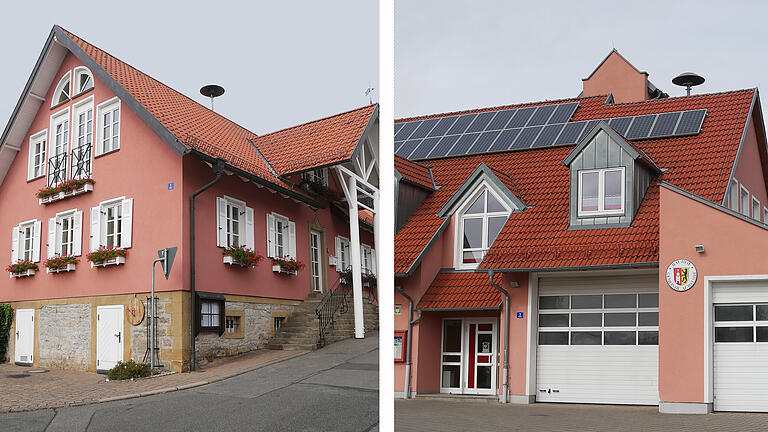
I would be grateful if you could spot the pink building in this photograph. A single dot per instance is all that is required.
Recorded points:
(607, 249)
(99, 157)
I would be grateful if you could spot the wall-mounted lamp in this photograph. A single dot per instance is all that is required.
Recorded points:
(699, 248)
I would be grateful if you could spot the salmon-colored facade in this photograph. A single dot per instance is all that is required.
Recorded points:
(147, 180)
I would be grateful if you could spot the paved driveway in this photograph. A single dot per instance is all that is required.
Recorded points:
(332, 389)
(427, 415)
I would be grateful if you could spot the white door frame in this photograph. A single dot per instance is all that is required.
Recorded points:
(466, 352)
(319, 235)
(16, 357)
(122, 332)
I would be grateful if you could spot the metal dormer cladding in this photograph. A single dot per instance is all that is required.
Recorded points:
(528, 128)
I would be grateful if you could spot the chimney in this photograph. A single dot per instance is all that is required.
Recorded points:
(616, 76)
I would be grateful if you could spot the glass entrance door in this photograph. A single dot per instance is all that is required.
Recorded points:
(314, 261)
(481, 357)
(451, 360)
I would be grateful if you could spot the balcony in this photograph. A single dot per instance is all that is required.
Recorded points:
(80, 181)
(81, 162)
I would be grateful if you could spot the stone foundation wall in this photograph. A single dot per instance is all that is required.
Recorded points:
(257, 318)
(64, 334)
(164, 337)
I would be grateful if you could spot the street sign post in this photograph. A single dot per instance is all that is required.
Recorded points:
(166, 257)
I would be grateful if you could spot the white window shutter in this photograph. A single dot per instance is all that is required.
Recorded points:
(14, 245)
(221, 222)
(362, 258)
(292, 239)
(270, 235)
(51, 238)
(77, 242)
(95, 228)
(249, 241)
(30, 162)
(339, 254)
(373, 261)
(37, 228)
(127, 226)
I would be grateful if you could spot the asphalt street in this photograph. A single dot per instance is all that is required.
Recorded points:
(332, 389)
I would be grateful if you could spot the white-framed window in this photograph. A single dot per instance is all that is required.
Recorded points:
(25, 241)
(744, 201)
(234, 225)
(281, 236)
(343, 261)
(733, 196)
(756, 208)
(317, 176)
(59, 143)
(211, 314)
(83, 80)
(479, 222)
(601, 192)
(765, 215)
(65, 234)
(108, 127)
(62, 92)
(37, 151)
(315, 260)
(82, 145)
(367, 259)
(112, 223)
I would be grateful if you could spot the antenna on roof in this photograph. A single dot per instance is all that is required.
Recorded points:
(368, 92)
(212, 91)
(688, 80)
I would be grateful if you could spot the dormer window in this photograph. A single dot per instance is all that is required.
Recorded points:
(601, 192)
(61, 94)
(480, 223)
(83, 80)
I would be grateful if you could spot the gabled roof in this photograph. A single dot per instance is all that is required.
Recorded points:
(482, 174)
(461, 291)
(538, 238)
(415, 173)
(189, 127)
(635, 152)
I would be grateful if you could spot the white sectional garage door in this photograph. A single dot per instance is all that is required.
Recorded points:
(740, 352)
(598, 340)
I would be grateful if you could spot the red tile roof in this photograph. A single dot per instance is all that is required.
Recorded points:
(317, 143)
(465, 290)
(414, 172)
(538, 237)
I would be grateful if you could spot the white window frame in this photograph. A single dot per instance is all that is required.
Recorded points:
(77, 84)
(110, 107)
(320, 174)
(756, 208)
(81, 107)
(58, 118)
(458, 258)
(245, 223)
(67, 78)
(601, 192)
(733, 196)
(316, 266)
(744, 201)
(343, 260)
(55, 233)
(99, 223)
(367, 259)
(288, 236)
(40, 137)
(765, 215)
(19, 240)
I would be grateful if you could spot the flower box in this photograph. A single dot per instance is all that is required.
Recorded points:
(242, 256)
(109, 261)
(87, 187)
(277, 269)
(66, 268)
(231, 261)
(23, 274)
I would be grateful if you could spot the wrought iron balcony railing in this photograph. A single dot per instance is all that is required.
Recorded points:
(57, 170)
(81, 162)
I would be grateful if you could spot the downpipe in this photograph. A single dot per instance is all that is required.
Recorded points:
(218, 168)
(408, 338)
(505, 372)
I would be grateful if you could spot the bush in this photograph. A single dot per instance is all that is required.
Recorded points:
(129, 370)
(6, 318)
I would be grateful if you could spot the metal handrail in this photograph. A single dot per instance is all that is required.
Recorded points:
(57, 169)
(81, 162)
(333, 302)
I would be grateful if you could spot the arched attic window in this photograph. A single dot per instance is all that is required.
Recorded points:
(83, 80)
(480, 222)
(62, 92)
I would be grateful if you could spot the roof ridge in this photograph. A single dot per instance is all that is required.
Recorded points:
(675, 98)
(70, 34)
(317, 120)
(495, 108)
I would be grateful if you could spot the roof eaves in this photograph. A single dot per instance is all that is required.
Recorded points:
(426, 249)
(118, 90)
(274, 173)
(576, 268)
(712, 204)
(741, 145)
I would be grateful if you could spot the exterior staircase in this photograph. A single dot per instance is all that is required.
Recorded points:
(301, 330)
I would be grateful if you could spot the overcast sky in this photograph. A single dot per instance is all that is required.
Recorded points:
(282, 63)
(464, 54)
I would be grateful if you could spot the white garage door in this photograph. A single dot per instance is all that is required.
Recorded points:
(740, 352)
(598, 340)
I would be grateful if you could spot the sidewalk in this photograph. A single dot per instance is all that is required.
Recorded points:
(58, 388)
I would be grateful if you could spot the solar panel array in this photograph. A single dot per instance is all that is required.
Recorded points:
(526, 128)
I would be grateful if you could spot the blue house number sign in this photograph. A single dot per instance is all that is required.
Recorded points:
(519, 314)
